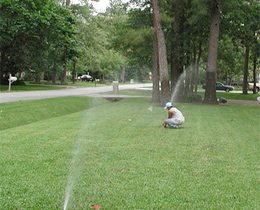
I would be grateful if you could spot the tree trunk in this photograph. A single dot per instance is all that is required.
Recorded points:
(63, 76)
(197, 67)
(189, 72)
(254, 73)
(74, 71)
(162, 56)
(187, 80)
(123, 74)
(156, 76)
(210, 93)
(193, 76)
(246, 69)
(66, 3)
(54, 70)
(2, 67)
(37, 77)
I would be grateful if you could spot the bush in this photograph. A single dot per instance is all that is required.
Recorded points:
(68, 77)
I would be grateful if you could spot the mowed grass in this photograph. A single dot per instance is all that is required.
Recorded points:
(238, 96)
(26, 112)
(118, 156)
(229, 95)
(45, 85)
(132, 92)
(4, 88)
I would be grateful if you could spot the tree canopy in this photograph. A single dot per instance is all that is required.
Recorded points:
(43, 37)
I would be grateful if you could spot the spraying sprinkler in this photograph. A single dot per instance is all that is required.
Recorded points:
(150, 109)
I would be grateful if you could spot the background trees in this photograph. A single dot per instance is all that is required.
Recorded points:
(31, 31)
(51, 37)
(161, 51)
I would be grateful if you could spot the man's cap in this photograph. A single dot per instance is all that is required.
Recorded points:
(168, 104)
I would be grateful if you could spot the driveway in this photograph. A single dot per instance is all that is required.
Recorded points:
(90, 91)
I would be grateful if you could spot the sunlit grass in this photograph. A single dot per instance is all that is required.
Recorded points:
(230, 95)
(25, 112)
(211, 162)
(46, 85)
(86, 84)
(235, 96)
(133, 92)
(4, 88)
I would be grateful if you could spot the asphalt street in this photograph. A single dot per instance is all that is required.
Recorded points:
(90, 91)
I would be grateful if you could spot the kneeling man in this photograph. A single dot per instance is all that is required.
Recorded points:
(175, 117)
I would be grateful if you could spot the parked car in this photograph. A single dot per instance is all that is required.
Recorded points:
(221, 86)
(250, 86)
(86, 78)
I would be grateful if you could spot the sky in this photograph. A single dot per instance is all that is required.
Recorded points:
(100, 6)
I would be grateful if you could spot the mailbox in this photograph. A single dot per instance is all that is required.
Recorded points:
(13, 79)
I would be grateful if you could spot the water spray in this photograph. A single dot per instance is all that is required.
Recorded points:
(78, 154)
(177, 88)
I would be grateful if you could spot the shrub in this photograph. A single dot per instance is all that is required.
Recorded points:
(68, 77)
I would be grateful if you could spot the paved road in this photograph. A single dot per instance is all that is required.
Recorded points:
(33, 95)
(90, 91)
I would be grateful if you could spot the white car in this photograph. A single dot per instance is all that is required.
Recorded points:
(250, 86)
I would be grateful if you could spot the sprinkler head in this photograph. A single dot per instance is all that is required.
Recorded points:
(150, 109)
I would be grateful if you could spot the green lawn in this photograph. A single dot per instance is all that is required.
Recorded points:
(132, 92)
(230, 95)
(45, 85)
(4, 88)
(89, 148)
(68, 83)
(238, 96)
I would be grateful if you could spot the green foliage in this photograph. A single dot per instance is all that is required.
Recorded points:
(91, 38)
(44, 36)
(230, 59)
(32, 30)
(111, 63)
(135, 38)
(68, 77)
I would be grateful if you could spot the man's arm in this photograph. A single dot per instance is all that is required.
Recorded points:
(170, 113)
